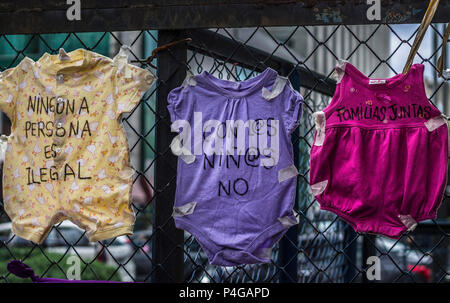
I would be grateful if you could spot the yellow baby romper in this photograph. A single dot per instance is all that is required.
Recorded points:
(67, 156)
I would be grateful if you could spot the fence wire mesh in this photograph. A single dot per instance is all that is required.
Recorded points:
(322, 248)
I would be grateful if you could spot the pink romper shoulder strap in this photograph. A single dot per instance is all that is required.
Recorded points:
(397, 101)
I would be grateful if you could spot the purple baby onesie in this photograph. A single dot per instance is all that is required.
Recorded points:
(236, 180)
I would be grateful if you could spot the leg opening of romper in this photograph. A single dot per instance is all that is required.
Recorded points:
(230, 257)
(180, 151)
(209, 247)
(31, 235)
(101, 235)
(288, 221)
(320, 122)
(179, 215)
(365, 228)
(258, 251)
(341, 214)
(408, 225)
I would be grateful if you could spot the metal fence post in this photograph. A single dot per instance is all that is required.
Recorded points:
(288, 244)
(168, 240)
(350, 251)
(368, 250)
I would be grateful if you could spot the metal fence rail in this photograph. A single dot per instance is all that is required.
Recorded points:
(322, 248)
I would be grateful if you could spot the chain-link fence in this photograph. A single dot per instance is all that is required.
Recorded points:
(322, 248)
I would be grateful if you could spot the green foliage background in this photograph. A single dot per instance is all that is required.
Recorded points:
(52, 265)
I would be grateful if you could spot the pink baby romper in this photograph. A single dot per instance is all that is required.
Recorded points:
(379, 157)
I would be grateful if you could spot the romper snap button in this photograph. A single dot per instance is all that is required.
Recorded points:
(60, 78)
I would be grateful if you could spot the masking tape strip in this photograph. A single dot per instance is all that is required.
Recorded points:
(339, 70)
(434, 123)
(63, 56)
(277, 88)
(181, 151)
(184, 210)
(320, 121)
(319, 187)
(287, 173)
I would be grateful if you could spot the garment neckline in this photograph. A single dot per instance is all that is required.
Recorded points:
(387, 82)
(79, 59)
(237, 89)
